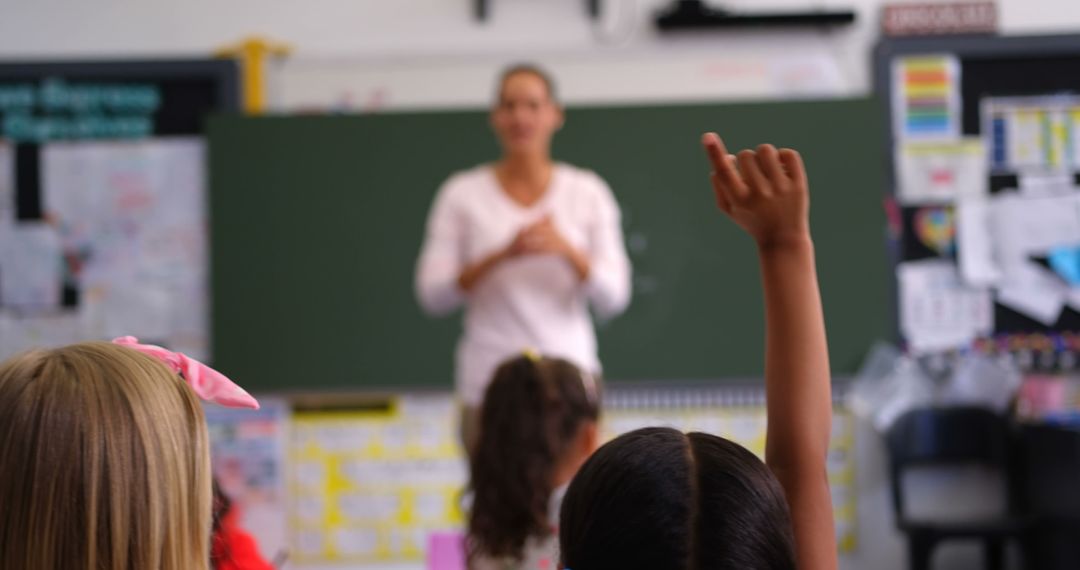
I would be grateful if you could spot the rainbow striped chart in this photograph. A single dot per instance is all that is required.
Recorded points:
(926, 97)
(1032, 134)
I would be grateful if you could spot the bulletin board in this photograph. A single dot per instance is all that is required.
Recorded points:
(103, 207)
(983, 191)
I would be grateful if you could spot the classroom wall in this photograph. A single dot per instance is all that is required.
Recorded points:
(366, 54)
(432, 53)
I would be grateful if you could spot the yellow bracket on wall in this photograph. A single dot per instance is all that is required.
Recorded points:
(252, 53)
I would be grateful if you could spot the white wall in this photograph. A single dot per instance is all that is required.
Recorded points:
(380, 27)
(352, 54)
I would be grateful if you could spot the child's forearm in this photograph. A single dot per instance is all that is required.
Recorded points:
(799, 394)
(796, 356)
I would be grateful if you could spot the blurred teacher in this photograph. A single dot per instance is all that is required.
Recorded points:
(525, 244)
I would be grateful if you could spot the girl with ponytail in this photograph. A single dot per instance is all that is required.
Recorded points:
(538, 425)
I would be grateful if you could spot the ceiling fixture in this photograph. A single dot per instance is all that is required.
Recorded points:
(694, 14)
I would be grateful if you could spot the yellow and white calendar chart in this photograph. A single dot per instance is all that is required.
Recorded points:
(368, 486)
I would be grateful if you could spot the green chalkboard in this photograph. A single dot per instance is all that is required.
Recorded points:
(317, 222)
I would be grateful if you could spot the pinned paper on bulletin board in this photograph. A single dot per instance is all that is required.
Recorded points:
(941, 172)
(1032, 134)
(248, 449)
(31, 263)
(936, 228)
(1065, 261)
(926, 97)
(1024, 229)
(929, 231)
(974, 244)
(938, 311)
(7, 183)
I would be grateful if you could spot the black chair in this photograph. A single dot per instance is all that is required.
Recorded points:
(1048, 479)
(953, 437)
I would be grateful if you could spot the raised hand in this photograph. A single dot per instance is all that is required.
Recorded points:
(763, 191)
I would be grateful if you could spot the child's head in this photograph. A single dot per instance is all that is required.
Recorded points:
(104, 463)
(537, 426)
(659, 499)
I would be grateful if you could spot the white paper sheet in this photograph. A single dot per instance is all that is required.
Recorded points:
(1035, 291)
(937, 310)
(1046, 185)
(1044, 304)
(31, 264)
(1074, 133)
(1025, 227)
(941, 172)
(1026, 146)
(975, 246)
(7, 183)
(135, 211)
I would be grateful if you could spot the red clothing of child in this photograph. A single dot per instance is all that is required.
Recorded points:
(232, 548)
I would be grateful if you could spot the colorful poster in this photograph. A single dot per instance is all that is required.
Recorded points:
(1032, 134)
(248, 451)
(926, 97)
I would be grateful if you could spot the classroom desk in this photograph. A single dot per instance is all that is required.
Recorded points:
(1048, 479)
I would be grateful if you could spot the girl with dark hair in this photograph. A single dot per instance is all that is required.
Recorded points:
(538, 424)
(658, 499)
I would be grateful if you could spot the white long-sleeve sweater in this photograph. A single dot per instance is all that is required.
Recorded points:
(535, 302)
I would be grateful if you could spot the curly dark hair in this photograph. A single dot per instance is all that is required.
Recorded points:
(532, 411)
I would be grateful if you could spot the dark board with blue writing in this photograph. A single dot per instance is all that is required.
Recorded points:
(90, 101)
(117, 100)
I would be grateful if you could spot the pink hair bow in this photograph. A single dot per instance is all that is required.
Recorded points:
(207, 383)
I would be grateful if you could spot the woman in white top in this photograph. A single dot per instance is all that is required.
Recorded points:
(525, 244)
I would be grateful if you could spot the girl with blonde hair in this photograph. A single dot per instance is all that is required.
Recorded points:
(105, 463)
